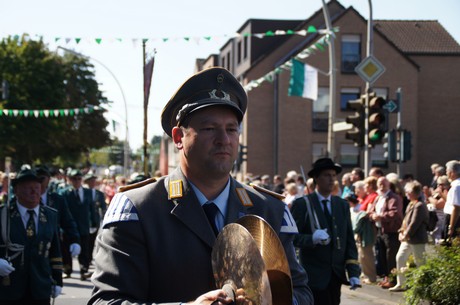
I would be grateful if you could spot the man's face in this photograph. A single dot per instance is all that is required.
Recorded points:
(76, 181)
(209, 145)
(44, 184)
(325, 181)
(354, 176)
(28, 193)
(383, 185)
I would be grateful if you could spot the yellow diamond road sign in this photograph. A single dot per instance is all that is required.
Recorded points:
(370, 69)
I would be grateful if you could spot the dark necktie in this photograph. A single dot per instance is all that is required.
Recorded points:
(211, 210)
(78, 196)
(31, 224)
(326, 213)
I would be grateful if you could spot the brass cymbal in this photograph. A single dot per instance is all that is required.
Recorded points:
(272, 252)
(236, 259)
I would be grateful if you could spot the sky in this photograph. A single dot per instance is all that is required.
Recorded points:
(118, 64)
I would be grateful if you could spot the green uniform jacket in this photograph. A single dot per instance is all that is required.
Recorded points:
(41, 265)
(84, 213)
(339, 255)
(66, 222)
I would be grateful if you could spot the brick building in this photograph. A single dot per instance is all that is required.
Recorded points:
(283, 132)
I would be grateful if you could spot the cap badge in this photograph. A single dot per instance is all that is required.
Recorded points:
(224, 95)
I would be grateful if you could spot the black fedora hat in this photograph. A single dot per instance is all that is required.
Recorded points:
(323, 164)
(42, 170)
(211, 87)
(26, 175)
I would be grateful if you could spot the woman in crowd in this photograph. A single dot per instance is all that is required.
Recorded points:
(413, 233)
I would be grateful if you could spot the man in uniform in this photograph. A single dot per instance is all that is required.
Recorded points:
(66, 223)
(35, 270)
(326, 242)
(156, 241)
(81, 206)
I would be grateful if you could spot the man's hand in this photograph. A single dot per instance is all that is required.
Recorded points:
(354, 283)
(74, 249)
(56, 291)
(321, 237)
(219, 296)
(5, 267)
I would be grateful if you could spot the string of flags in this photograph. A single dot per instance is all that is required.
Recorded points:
(39, 113)
(197, 39)
(320, 45)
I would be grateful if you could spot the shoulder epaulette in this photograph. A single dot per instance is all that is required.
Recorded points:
(264, 190)
(136, 185)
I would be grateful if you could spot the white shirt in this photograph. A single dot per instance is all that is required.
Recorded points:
(453, 197)
(25, 215)
(321, 198)
(379, 207)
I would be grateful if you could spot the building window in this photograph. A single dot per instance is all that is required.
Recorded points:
(229, 61)
(239, 51)
(349, 155)
(223, 62)
(351, 52)
(245, 47)
(347, 94)
(321, 110)
(319, 150)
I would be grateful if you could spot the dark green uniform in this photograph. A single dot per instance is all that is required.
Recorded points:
(40, 265)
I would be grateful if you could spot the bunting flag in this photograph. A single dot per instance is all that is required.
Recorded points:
(197, 39)
(304, 80)
(48, 112)
(148, 71)
(322, 42)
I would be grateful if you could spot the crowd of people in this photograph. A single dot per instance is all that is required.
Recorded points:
(153, 241)
(389, 215)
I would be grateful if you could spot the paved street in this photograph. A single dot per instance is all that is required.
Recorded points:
(77, 292)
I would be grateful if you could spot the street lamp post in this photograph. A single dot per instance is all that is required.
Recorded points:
(126, 144)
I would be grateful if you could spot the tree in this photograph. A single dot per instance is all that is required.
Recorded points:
(40, 79)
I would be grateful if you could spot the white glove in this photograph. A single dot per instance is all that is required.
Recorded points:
(354, 283)
(92, 230)
(74, 249)
(56, 291)
(5, 267)
(321, 237)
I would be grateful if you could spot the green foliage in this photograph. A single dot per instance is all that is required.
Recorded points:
(40, 79)
(438, 281)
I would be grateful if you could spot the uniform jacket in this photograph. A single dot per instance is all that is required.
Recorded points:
(392, 213)
(66, 223)
(155, 248)
(339, 255)
(84, 213)
(42, 261)
(99, 203)
(414, 224)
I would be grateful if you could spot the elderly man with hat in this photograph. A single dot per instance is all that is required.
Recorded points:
(326, 242)
(156, 241)
(82, 208)
(29, 240)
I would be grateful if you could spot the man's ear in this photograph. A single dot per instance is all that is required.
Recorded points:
(177, 134)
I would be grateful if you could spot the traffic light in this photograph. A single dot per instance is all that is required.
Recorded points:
(391, 146)
(377, 129)
(357, 120)
(242, 156)
(406, 145)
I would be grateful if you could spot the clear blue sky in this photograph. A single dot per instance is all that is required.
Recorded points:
(109, 19)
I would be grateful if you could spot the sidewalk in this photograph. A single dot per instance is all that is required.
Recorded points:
(369, 295)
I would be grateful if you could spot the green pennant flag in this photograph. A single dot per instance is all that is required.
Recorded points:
(144, 40)
(165, 39)
(289, 32)
(10, 112)
(51, 112)
(98, 40)
(61, 112)
(207, 37)
(77, 40)
(319, 46)
(269, 33)
(40, 113)
(120, 39)
(186, 38)
(246, 34)
(311, 29)
(57, 39)
(71, 112)
(31, 112)
(1, 113)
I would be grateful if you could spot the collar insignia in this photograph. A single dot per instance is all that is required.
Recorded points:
(244, 197)
(175, 189)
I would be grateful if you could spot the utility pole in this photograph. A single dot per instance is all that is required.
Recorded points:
(332, 86)
(369, 50)
(146, 157)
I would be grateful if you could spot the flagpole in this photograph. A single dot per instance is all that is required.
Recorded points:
(146, 158)
(332, 87)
